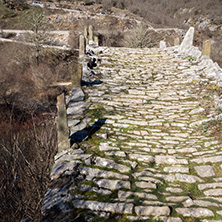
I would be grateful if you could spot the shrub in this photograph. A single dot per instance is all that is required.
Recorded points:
(139, 38)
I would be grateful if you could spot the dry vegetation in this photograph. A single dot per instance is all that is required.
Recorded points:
(27, 119)
(163, 12)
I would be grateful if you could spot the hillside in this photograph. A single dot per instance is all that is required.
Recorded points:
(123, 16)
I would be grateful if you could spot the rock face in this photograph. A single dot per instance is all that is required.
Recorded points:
(136, 150)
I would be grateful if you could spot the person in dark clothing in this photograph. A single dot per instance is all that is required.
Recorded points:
(92, 63)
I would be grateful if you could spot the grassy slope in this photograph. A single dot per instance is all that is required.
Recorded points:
(12, 19)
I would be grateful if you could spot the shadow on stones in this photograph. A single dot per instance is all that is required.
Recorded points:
(86, 83)
(86, 132)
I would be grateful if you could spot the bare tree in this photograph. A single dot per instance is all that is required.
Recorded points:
(138, 38)
(40, 35)
(26, 157)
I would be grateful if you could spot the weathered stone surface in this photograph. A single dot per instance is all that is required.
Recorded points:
(124, 194)
(87, 188)
(116, 153)
(60, 168)
(213, 192)
(174, 190)
(169, 160)
(195, 111)
(62, 125)
(64, 155)
(188, 178)
(195, 212)
(145, 185)
(187, 43)
(90, 33)
(177, 198)
(136, 218)
(107, 147)
(93, 172)
(140, 157)
(82, 46)
(76, 74)
(86, 34)
(103, 206)
(112, 184)
(219, 212)
(213, 159)
(170, 219)
(76, 95)
(150, 179)
(207, 47)
(56, 199)
(73, 122)
(205, 171)
(209, 185)
(77, 108)
(176, 41)
(108, 163)
(204, 203)
(176, 169)
(152, 211)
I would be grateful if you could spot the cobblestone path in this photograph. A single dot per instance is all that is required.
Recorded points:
(148, 162)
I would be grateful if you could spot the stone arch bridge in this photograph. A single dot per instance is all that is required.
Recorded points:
(140, 151)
